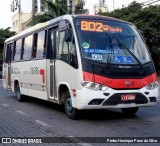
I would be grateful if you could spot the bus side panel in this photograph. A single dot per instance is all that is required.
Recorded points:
(31, 76)
(66, 74)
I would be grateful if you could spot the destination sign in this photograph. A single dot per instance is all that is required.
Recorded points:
(98, 27)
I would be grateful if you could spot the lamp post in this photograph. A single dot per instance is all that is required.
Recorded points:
(72, 6)
(16, 4)
(113, 5)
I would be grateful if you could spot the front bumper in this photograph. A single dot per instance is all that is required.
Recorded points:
(90, 99)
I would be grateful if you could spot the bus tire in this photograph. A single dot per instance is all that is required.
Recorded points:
(20, 97)
(70, 111)
(130, 111)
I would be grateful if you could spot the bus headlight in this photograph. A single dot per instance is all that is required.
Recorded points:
(152, 86)
(94, 86)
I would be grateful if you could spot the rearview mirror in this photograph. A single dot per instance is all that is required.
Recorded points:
(68, 35)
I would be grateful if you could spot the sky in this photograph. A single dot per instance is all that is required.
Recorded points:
(6, 14)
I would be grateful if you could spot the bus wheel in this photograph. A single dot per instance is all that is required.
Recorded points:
(130, 111)
(20, 97)
(70, 111)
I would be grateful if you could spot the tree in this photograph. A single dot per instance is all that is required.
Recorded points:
(79, 8)
(4, 34)
(147, 20)
(56, 9)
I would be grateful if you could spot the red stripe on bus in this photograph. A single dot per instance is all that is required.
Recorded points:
(42, 73)
(120, 83)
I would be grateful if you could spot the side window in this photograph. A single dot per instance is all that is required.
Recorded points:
(28, 48)
(51, 46)
(14, 51)
(73, 53)
(11, 51)
(7, 54)
(39, 50)
(41, 45)
(22, 50)
(66, 49)
(17, 54)
(52, 37)
(34, 53)
(63, 51)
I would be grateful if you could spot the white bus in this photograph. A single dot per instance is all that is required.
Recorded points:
(83, 62)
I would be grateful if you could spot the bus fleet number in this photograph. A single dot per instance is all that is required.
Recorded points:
(34, 70)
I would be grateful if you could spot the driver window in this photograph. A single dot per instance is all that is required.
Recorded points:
(66, 50)
(63, 52)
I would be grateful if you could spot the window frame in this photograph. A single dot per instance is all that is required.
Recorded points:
(69, 61)
(15, 50)
(31, 49)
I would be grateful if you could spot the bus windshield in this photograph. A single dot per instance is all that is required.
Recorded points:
(111, 42)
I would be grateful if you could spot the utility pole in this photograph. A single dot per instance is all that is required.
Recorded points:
(33, 9)
(113, 5)
(19, 11)
(73, 7)
(14, 5)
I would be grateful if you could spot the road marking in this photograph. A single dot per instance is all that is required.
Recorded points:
(85, 144)
(42, 123)
(20, 112)
(80, 142)
(6, 105)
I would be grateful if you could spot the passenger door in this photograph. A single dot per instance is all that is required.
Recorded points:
(51, 51)
(7, 65)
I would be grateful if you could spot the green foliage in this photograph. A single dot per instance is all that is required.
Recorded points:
(79, 8)
(4, 34)
(57, 9)
(147, 20)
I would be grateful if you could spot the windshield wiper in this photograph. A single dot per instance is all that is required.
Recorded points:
(130, 52)
(110, 55)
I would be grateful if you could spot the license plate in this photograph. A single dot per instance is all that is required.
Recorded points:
(126, 97)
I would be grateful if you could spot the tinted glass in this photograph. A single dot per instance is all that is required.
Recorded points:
(17, 50)
(40, 45)
(104, 41)
(28, 48)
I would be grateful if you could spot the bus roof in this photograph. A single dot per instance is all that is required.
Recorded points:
(35, 27)
(81, 16)
(99, 17)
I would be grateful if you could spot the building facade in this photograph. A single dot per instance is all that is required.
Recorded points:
(39, 7)
(20, 20)
(98, 9)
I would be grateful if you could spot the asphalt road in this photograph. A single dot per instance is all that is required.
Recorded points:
(95, 123)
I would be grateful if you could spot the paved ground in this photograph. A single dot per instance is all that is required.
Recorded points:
(42, 119)
(15, 123)
(159, 92)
